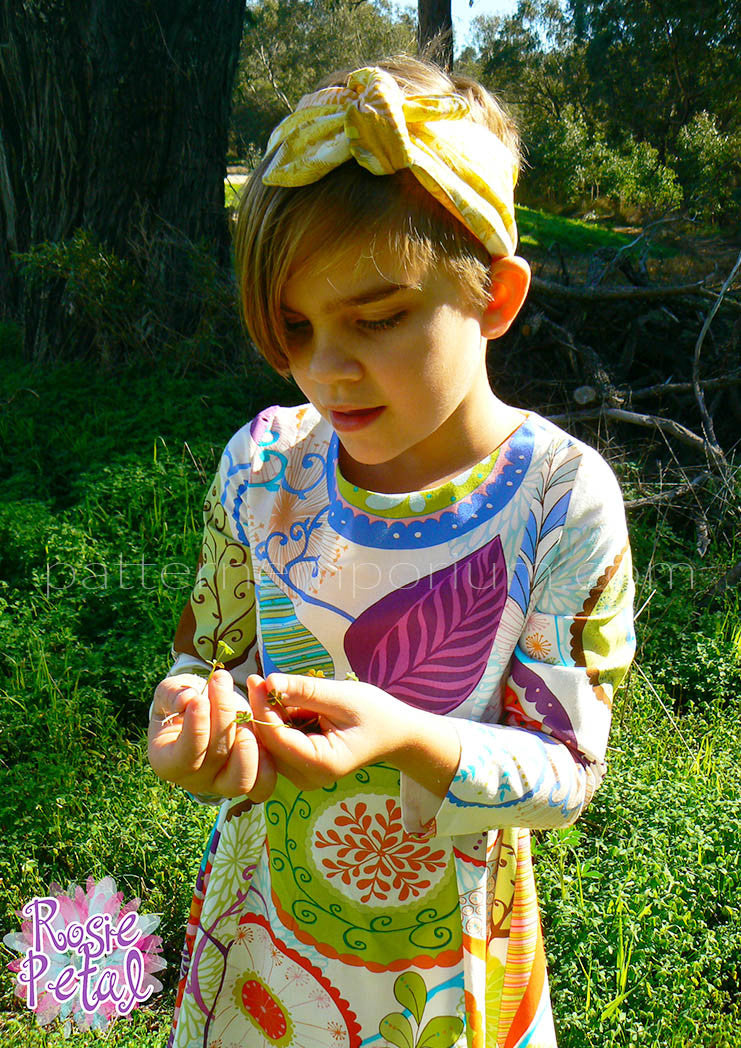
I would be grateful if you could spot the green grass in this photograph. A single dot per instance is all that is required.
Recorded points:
(231, 194)
(541, 230)
(101, 472)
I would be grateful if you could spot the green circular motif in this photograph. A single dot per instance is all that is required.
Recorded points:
(414, 503)
(348, 880)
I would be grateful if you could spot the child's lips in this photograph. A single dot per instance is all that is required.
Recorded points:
(354, 418)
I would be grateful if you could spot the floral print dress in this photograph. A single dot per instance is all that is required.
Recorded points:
(502, 599)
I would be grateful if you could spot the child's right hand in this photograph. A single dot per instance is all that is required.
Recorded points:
(201, 748)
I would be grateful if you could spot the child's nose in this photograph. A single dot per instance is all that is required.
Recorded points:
(332, 359)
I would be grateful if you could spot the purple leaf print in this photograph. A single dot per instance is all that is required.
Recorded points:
(428, 643)
(555, 717)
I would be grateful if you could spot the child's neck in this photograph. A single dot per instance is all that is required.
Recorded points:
(411, 473)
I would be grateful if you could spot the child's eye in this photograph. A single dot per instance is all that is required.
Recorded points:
(384, 324)
(296, 329)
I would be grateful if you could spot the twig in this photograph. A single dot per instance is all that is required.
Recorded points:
(199, 469)
(23, 389)
(666, 425)
(668, 496)
(707, 422)
(612, 293)
(645, 604)
(664, 707)
(732, 379)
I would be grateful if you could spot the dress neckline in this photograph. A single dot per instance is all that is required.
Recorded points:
(433, 498)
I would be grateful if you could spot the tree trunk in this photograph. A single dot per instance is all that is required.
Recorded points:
(113, 118)
(435, 26)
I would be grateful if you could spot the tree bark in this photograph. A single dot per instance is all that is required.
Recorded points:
(435, 31)
(114, 118)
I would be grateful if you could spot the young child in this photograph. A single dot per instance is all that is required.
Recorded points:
(440, 581)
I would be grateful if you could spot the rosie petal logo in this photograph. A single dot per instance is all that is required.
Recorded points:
(86, 958)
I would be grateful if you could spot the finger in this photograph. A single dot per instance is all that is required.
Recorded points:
(267, 775)
(170, 698)
(318, 694)
(178, 749)
(238, 773)
(309, 761)
(223, 707)
(266, 704)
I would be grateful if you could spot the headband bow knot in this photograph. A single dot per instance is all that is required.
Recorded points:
(461, 163)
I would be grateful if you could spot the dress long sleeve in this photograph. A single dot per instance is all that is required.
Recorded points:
(540, 765)
(221, 606)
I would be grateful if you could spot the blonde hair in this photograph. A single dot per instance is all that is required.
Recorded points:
(280, 228)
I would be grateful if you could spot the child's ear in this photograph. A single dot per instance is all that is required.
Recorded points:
(510, 281)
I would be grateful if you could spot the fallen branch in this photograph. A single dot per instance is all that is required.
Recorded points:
(666, 425)
(721, 382)
(589, 356)
(614, 294)
(625, 250)
(550, 289)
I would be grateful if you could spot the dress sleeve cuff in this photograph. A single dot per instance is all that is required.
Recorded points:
(420, 807)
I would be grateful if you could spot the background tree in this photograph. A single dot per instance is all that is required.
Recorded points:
(288, 46)
(114, 119)
(632, 101)
(656, 63)
(435, 23)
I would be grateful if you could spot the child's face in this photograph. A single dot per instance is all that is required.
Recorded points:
(395, 361)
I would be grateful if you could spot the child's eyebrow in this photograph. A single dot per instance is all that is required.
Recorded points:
(374, 294)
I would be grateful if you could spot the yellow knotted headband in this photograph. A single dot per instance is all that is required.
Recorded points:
(461, 163)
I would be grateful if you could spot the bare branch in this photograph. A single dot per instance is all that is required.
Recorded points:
(669, 496)
(721, 382)
(707, 422)
(280, 95)
(614, 294)
(666, 425)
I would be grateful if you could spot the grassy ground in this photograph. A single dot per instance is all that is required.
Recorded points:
(101, 479)
(539, 229)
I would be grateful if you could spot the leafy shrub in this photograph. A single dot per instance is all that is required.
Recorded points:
(100, 290)
(120, 307)
(571, 161)
(636, 177)
(709, 165)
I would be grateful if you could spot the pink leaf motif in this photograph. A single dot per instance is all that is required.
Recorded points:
(428, 643)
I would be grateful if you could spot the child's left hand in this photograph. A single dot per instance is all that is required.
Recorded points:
(359, 724)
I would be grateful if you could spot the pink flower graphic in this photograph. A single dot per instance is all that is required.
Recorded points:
(64, 934)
